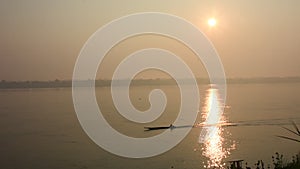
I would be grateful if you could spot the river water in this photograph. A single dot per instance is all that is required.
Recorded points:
(39, 128)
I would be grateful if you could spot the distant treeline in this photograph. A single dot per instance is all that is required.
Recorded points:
(138, 82)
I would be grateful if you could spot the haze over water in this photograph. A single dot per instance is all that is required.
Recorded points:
(39, 128)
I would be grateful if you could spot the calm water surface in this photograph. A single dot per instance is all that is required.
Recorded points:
(39, 128)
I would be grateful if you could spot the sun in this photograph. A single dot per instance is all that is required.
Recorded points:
(212, 22)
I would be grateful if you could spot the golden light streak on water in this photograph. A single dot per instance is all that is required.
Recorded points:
(213, 142)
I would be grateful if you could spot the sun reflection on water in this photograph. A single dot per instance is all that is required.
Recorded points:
(212, 134)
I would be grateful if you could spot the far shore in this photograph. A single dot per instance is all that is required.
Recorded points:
(140, 82)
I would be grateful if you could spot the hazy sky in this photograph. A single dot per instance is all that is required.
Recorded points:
(40, 40)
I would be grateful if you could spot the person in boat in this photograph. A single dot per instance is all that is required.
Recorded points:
(171, 126)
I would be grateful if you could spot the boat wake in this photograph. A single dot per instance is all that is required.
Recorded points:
(263, 122)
